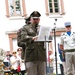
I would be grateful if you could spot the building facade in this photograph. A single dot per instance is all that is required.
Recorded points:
(13, 13)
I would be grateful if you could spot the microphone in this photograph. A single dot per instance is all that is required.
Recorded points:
(36, 27)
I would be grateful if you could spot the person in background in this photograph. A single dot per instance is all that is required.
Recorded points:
(22, 65)
(67, 43)
(62, 58)
(35, 52)
(19, 52)
(6, 60)
(15, 61)
(49, 62)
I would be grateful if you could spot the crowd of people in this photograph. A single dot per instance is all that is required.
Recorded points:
(13, 63)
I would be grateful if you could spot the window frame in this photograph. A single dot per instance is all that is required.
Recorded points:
(61, 8)
(53, 6)
(23, 9)
(15, 12)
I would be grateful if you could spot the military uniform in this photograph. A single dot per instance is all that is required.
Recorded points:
(35, 51)
(68, 41)
(32, 48)
(19, 42)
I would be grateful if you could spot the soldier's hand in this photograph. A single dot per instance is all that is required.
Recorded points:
(35, 38)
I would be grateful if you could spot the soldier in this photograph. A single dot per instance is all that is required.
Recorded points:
(67, 43)
(19, 42)
(35, 51)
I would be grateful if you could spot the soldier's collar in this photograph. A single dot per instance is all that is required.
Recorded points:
(33, 25)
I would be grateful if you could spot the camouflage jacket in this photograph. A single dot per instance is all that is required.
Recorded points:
(21, 43)
(35, 51)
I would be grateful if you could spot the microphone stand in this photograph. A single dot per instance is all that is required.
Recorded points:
(46, 46)
(55, 45)
(47, 63)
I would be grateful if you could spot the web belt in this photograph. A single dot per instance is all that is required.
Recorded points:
(69, 50)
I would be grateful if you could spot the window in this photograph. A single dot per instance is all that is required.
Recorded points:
(54, 7)
(15, 8)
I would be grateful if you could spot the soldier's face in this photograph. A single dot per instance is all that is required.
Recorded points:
(68, 28)
(35, 20)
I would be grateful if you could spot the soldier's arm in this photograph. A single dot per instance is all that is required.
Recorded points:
(25, 37)
(21, 44)
(19, 41)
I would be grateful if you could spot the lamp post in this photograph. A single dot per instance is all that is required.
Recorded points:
(54, 29)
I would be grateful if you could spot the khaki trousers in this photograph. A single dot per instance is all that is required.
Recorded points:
(64, 66)
(70, 63)
(36, 68)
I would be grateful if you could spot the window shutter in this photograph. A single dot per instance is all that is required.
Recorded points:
(7, 9)
(24, 8)
(62, 7)
(46, 5)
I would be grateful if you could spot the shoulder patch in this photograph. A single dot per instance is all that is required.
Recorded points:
(19, 30)
(73, 32)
